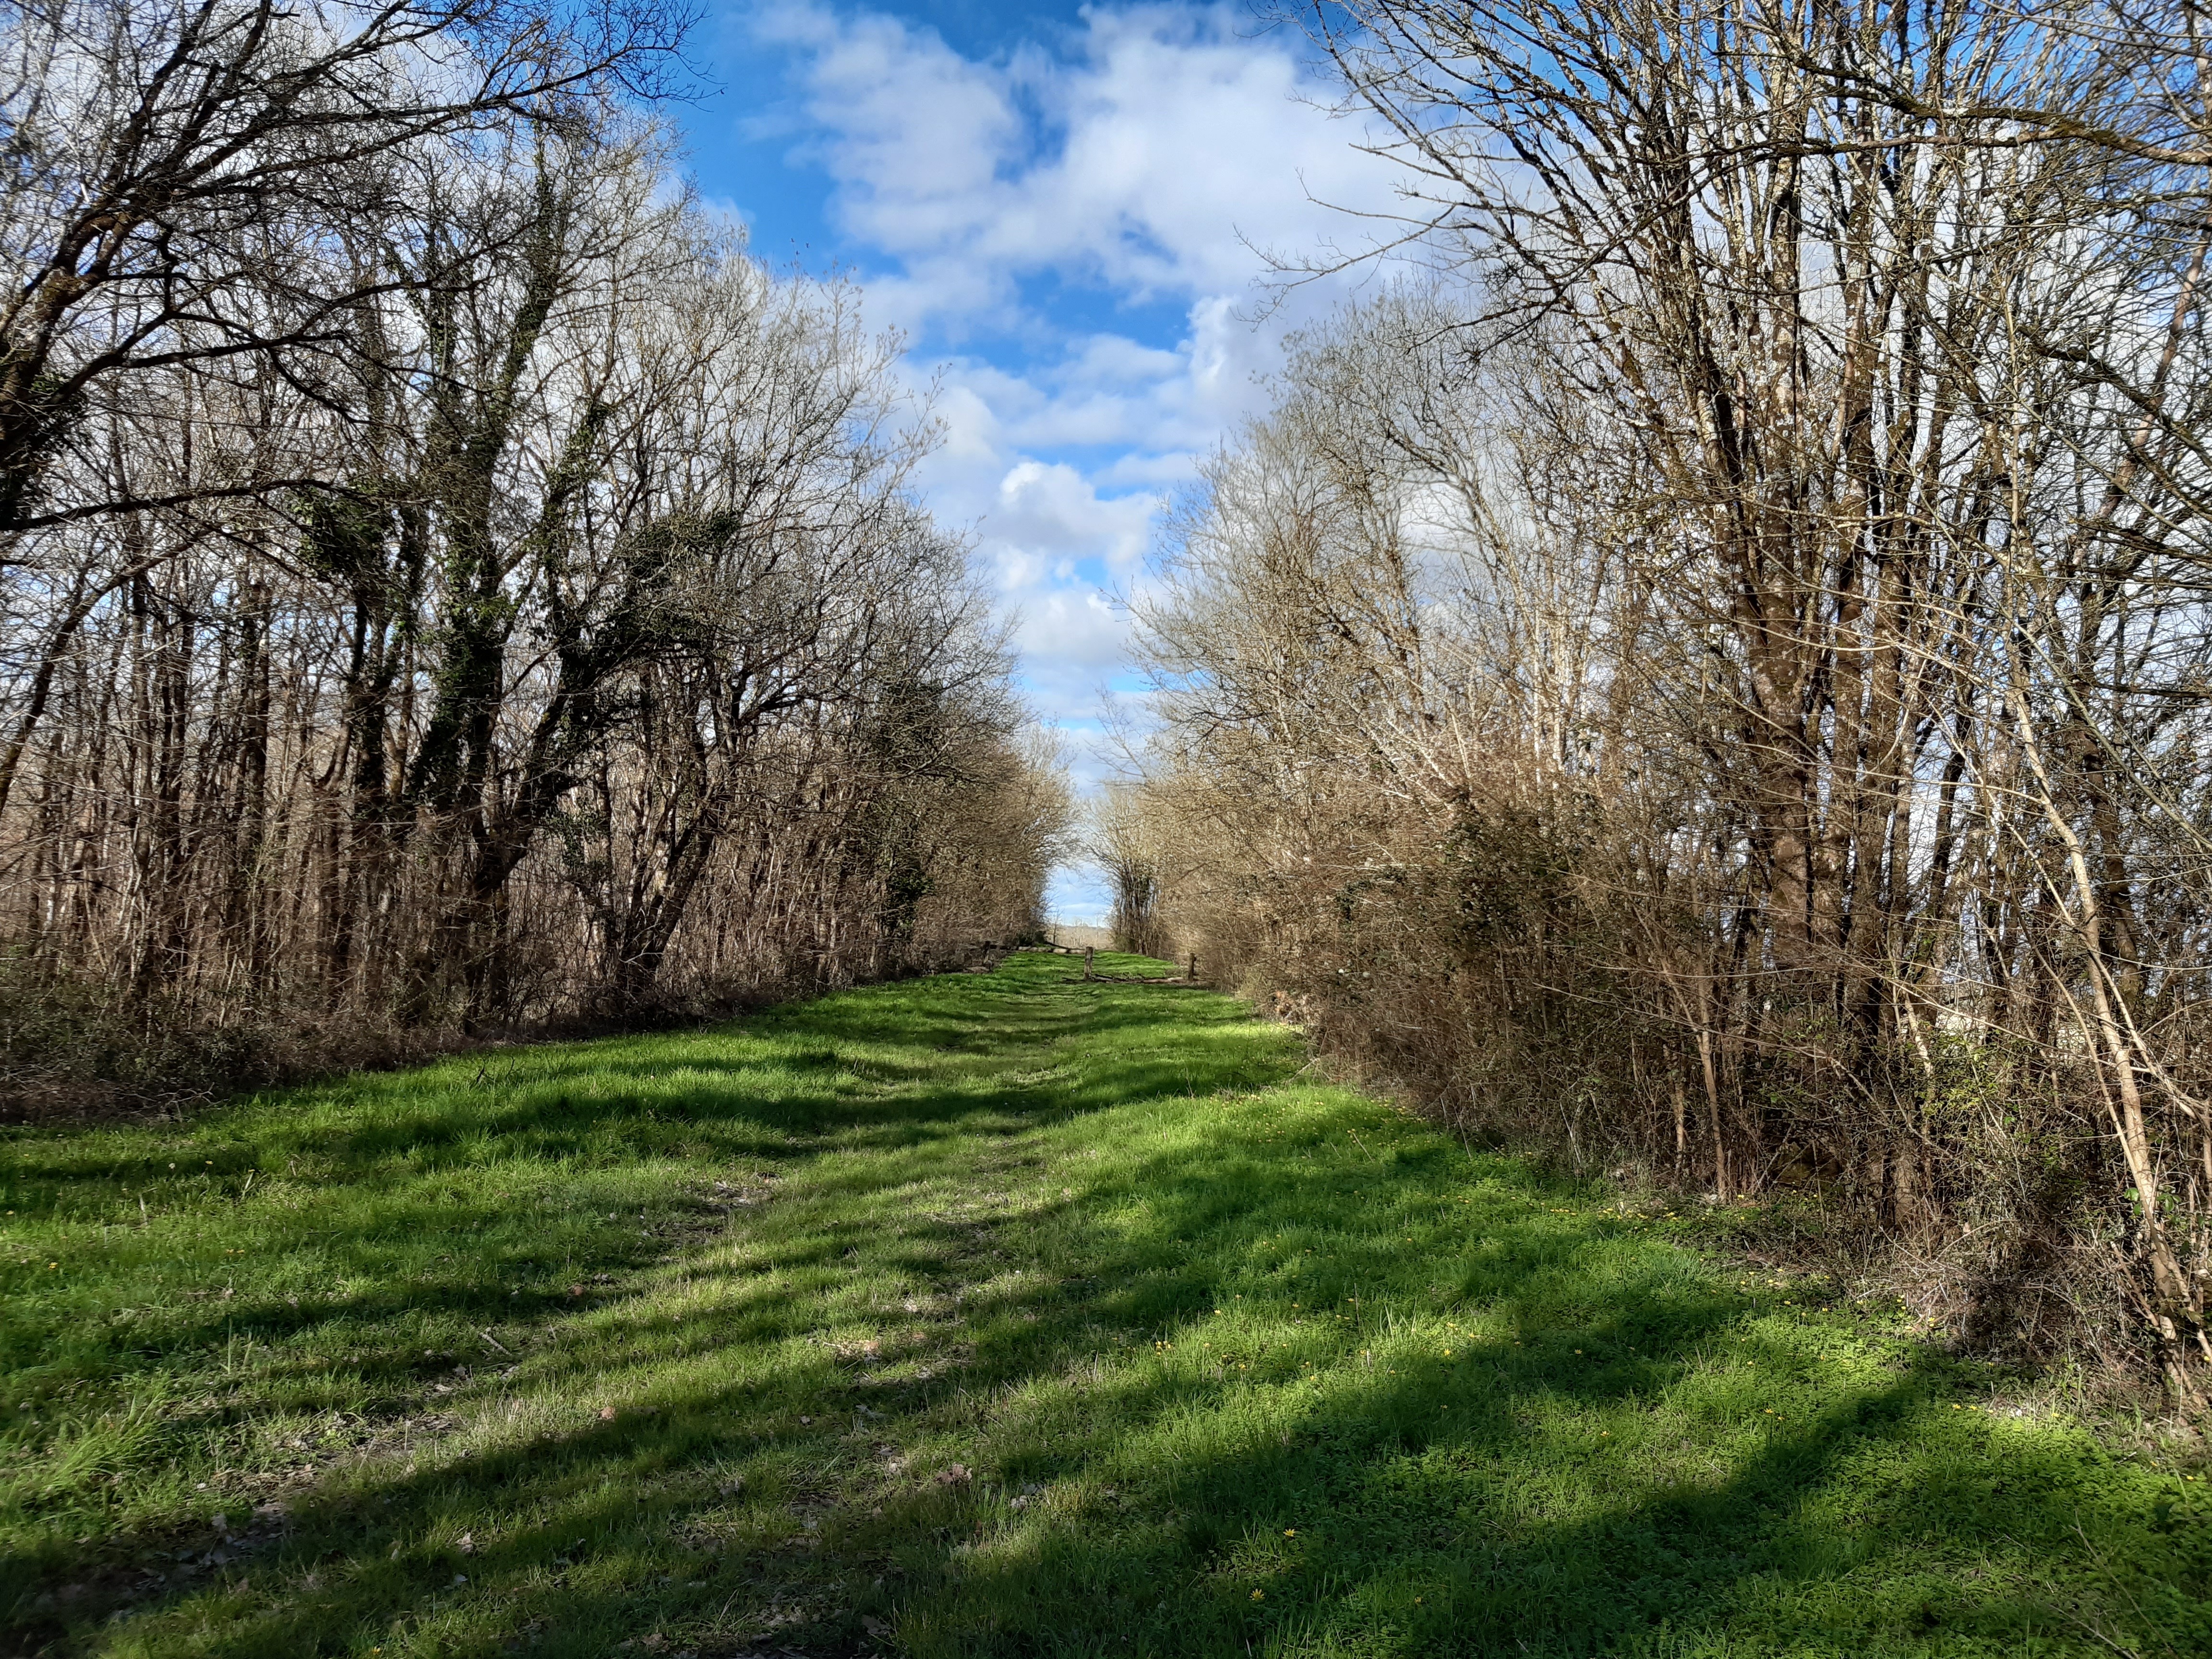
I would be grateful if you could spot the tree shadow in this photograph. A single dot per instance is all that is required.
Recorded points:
(1053, 1443)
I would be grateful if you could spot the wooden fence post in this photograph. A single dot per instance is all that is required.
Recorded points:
(1194, 967)
(1086, 962)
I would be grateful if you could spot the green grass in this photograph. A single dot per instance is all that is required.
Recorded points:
(982, 1314)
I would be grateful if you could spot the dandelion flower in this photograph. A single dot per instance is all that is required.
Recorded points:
(1259, 1596)
(1290, 1532)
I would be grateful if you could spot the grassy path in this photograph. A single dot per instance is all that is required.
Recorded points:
(985, 1314)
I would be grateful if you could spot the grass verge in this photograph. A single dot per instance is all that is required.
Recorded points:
(980, 1315)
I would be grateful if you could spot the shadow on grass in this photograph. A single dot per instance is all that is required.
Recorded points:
(1265, 1372)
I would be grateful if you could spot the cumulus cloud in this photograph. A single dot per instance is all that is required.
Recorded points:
(1068, 230)
(1148, 157)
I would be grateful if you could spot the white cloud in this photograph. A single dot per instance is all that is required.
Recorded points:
(1144, 160)
(1053, 505)
(1071, 643)
(1011, 214)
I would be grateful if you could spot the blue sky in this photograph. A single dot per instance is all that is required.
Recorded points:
(1060, 206)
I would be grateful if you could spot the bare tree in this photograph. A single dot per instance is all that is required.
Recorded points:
(578, 650)
(175, 169)
(1123, 837)
(1711, 675)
